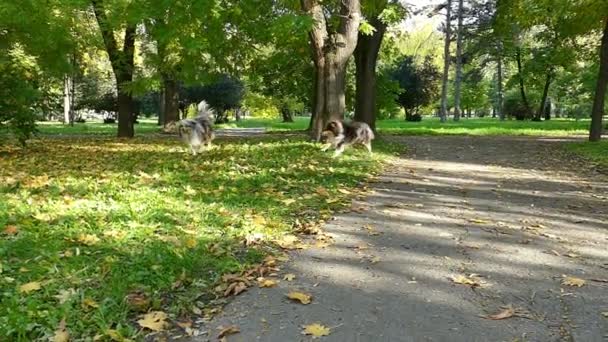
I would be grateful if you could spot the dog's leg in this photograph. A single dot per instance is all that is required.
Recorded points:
(326, 147)
(368, 145)
(193, 150)
(339, 150)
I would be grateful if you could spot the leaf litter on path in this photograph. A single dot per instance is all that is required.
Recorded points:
(316, 330)
(231, 330)
(155, 321)
(303, 298)
(573, 281)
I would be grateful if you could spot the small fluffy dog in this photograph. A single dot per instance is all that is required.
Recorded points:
(339, 135)
(197, 132)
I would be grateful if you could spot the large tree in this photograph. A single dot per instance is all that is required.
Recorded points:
(333, 39)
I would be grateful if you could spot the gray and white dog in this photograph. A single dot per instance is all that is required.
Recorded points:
(339, 135)
(197, 132)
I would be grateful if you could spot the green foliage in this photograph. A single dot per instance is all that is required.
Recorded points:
(96, 220)
(419, 84)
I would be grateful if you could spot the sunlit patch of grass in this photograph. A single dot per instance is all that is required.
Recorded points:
(594, 151)
(98, 218)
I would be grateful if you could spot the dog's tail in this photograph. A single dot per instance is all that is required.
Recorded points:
(204, 110)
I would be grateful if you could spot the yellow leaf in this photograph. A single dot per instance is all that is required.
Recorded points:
(289, 277)
(506, 313)
(346, 192)
(116, 336)
(460, 279)
(233, 329)
(61, 334)
(316, 330)
(289, 201)
(155, 321)
(374, 260)
(301, 297)
(573, 281)
(89, 303)
(191, 243)
(88, 239)
(30, 287)
(263, 282)
(479, 221)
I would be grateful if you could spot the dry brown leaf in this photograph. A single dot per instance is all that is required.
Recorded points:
(289, 277)
(30, 287)
(138, 301)
(270, 261)
(155, 321)
(460, 279)
(573, 281)
(316, 330)
(322, 191)
(235, 289)
(233, 329)
(506, 313)
(289, 242)
(263, 282)
(10, 230)
(301, 297)
(61, 334)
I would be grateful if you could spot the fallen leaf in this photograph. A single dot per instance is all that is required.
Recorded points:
(506, 313)
(605, 314)
(88, 239)
(375, 260)
(233, 329)
(89, 303)
(65, 295)
(573, 281)
(138, 301)
(289, 201)
(289, 277)
(263, 282)
(344, 191)
(479, 221)
(191, 243)
(322, 191)
(316, 330)
(30, 287)
(155, 321)
(10, 230)
(300, 297)
(61, 334)
(460, 279)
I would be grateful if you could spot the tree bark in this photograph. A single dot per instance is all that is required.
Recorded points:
(123, 66)
(161, 107)
(366, 59)
(522, 88)
(443, 113)
(595, 131)
(500, 105)
(331, 52)
(171, 100)
(458, 80)
(67, 103)
(543, 101)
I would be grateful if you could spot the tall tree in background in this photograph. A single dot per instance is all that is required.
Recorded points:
(597, 113)
(123, 65)
(443, 113)
(333, 41)
(458, 80)
(380, 14)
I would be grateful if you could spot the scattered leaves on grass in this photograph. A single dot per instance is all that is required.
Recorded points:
(301, 297)
(289, 277)
(508, 312)
(316, 330)
(30, 287)
(88, 303)
(155, 321)
(233, 329)
(138, 302)
(290, 242)
(88, 239)
(61, 334)
(573, 281)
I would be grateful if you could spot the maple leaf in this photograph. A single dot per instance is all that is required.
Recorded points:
(155, 321)
(506, 313)
(61, 334)
(289, 277)
(233, 329)
(573, 281)
(30, 287)
(316, 330)
(301, 297)
(10, 230)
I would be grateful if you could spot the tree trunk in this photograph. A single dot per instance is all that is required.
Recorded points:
(331, 52)
(500, 95)
(123, 66)
(543, 101)
(67, 103)
(443, 112)
(171, 100)
(522, 88)
(458, 81)
(366, 58)
(161, 107)
(595, 131)
(548, 108)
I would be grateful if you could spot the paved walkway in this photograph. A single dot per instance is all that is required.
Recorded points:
(512, 215)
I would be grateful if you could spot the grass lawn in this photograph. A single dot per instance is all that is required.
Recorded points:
(596, 152)
(87, 224)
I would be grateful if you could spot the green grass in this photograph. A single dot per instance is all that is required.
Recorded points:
(93, 128)
(596, 152)
(92, 220)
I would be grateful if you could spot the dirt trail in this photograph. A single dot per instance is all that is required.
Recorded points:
(515, 211)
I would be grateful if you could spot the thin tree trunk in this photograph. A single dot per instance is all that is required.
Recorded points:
(443, 113)
(123, 66)
(543, 101)
(595, 131)
(331, 52)
(171, 100)
(501, 113)
(67, 103)
(458, 81)
(548, 108)
(161, 107)
(522, 88)
(366, 58)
